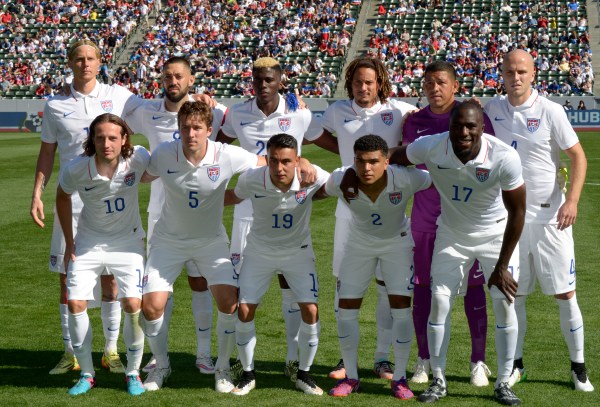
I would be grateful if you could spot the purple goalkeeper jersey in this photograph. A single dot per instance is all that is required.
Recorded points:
(426, 204)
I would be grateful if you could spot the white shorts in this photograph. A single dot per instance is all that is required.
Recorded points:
(454, 255)
(548, 255)
(123, 258)
(395, 259)
(298, 268)
(57, 244)
(340, 238)
(167, 259)
(239, 234)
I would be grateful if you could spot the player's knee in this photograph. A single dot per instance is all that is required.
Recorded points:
(131, 305)
(77, 306)
(309, 312)
(399, 301)
(350, 303)
(565, 296)
(151, 309)
(246, 312)
(198, 283)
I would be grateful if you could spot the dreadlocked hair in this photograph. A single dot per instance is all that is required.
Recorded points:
(383, 80)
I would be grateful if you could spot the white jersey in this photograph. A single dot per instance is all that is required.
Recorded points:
(158, 125)
(110, 206)
(349, 122)
(193, 207)
(386, 217)
(470, 193)
(253, 128)
(538, 129)
(281, 219)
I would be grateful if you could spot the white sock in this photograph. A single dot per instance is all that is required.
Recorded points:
(111, 323)
(134, 341)
(506, 337)
(571, 325)
(308, 342)
(202, 310)
(349, 336)
(383, 317)
(156, 333)
(292, 318)
(225, 338)
(438, 334)
(81, 337)
(245, 337)
(521, 312)
(403, 330)
(64, 326)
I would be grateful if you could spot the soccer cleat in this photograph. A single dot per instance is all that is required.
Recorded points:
(204, 363)
(479, 374)
(245, 385)
(291, 370)
(223, 382)
(157, 378)
(503, 394)
(236, 370)
(307, 384)
(83, 385)
(581, 380)
(339, 371)
(150, 365)
(421, 374)
(434, 392)
(400, 389)
(112, 362)
(344, 387)
(134, 385)
(384, 369)
(67, 362)
(517, 376)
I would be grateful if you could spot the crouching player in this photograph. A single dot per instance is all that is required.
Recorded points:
(379, 232)
(109, 236)
(282, 209)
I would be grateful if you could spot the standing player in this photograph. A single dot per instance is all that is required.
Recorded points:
(439, 86)
(539, 130)
(195, 172)
(368, 110)
(65, 127)
(279, 241)
(482, 196)
(379, 233)
(253, 122)
(158, 122)
(109, 236)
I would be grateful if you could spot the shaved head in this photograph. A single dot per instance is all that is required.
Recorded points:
(518, 74)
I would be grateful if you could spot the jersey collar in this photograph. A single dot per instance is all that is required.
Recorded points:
(365, 111)
(528, 103)
(78, 95)
(450, 159)
(93, 169)
(269, 186)
(280, 111)
(163, 108)
(210, 158)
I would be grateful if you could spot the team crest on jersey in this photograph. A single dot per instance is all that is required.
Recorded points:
(388, 118)
(533, 125)
(301, 196)
(482, 174)
(129, 179)
(53, 260)
(107, 105)
(285, 123)
(214, 173)
(235, 258)
(396, 198)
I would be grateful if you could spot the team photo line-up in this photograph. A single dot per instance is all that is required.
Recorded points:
(490, 208)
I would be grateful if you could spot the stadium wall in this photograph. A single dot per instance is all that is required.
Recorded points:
(25, 115)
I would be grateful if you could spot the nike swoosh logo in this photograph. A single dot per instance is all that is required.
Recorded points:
(293, 311)
(243, 344)
(349, 120)
(342, 337)
(67, 114)
(312, 345)
(498, 119)
(576, 329)
(134, 350)
(259, 196)
(502, 327)
(113, 330)
(432, 324)
(401, 342)
(244, 123)
(478, 308)
(443, 168)
(316, 295)
(172, 172)
(477, 275)
(227, 332)
(571, 282)
(156, 117)
(204, 330)
(89, 189)
(421, 131)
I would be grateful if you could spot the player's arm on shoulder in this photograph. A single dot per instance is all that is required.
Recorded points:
(328, 141)
(231, 198)
(43, 171)
(223, 138)
(64, 210)
(204, 98)
(420, 178)
(307, 173)
(567, 214)
(397, 155)
(501, 277)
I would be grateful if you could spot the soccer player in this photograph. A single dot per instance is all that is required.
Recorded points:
(195, 172)
(378, 233)
(539, 129)
(158, 122)
(65, 127)
(368, 110)
(482, 197)
(109, 236)
(279, 241)
(253, 122)
(439, 86)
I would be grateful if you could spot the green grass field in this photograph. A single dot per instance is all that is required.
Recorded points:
(30, 336)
